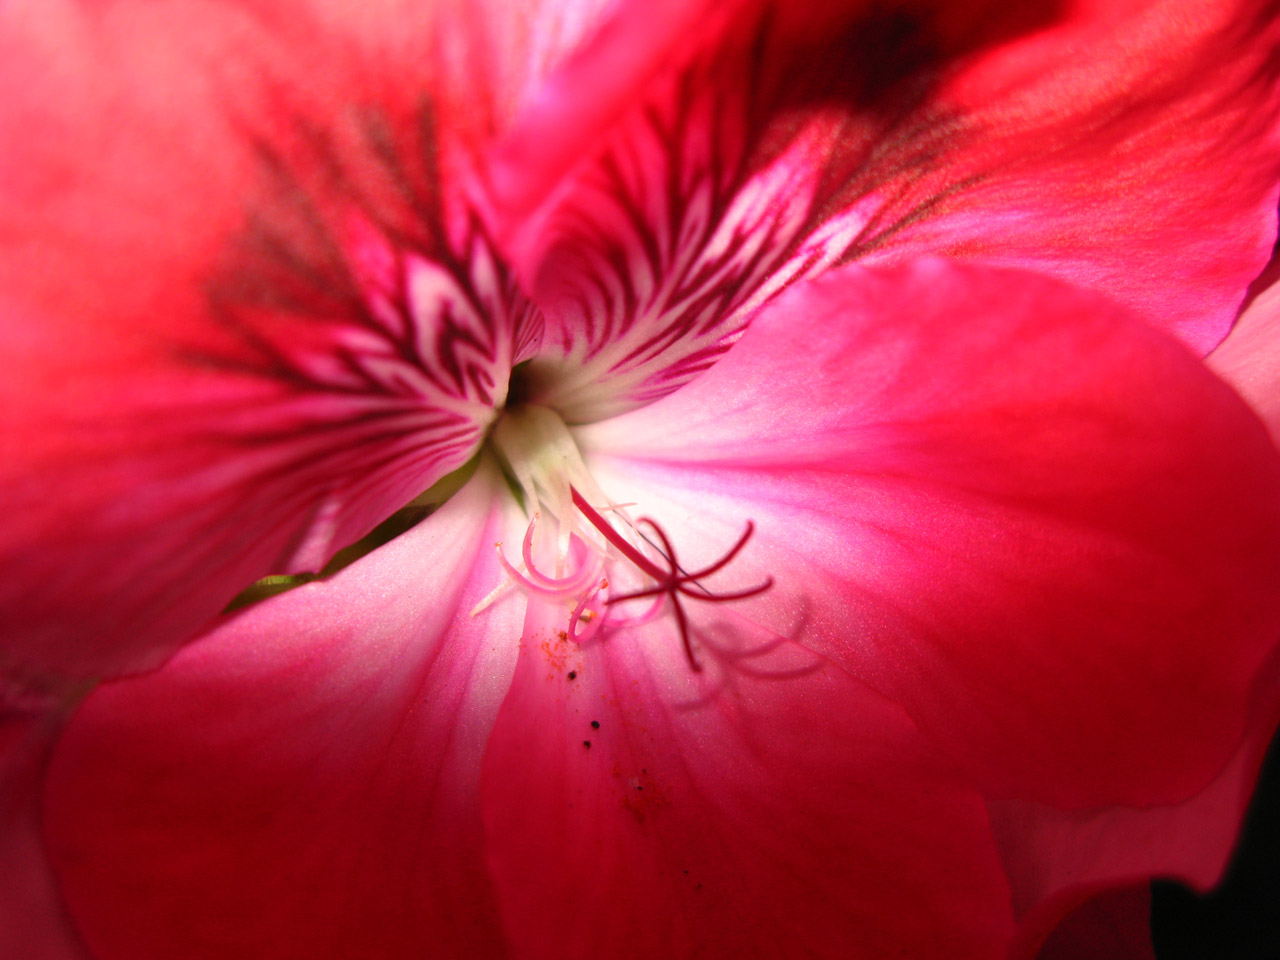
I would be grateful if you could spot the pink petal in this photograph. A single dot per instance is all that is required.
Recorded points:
(1038, 525)
(304, 780)
(770, 806)
(245, 309)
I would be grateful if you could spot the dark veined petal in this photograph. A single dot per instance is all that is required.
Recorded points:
(246, 309)
(716, 155)
(668, 180)
(1047, 530)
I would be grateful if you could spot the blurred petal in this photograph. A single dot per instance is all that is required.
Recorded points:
(771, 806)
(1046, 531)
(33, 919)
(1114, 925)
(303, 781)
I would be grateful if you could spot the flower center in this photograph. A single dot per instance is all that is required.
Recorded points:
(588, 553)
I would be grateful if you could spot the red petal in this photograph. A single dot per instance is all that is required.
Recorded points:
(244, 308)
(304, 781)
(1040, 526)
(585, 102)
(33, 918)
(1114, 925)
(774, 808)
(1107, 168)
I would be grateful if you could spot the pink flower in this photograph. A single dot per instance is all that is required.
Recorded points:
(846, 601)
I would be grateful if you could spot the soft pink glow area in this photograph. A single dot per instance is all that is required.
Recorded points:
(1003, 632)
(992, 539)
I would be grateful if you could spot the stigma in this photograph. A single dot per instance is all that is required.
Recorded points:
(586, 553)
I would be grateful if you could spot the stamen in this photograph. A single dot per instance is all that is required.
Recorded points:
(674, 581)
(541, 455)
(727, 558)
(652, 613)
(582, 615)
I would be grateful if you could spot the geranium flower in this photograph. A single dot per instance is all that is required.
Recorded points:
(845, 600)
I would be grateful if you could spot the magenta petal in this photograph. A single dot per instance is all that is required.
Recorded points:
(303, 782)
(776, 808)
(244, 317)
(1043, 528)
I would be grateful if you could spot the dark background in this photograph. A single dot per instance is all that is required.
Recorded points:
(1241, 919)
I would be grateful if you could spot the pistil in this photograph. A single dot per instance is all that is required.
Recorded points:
(545, 463)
